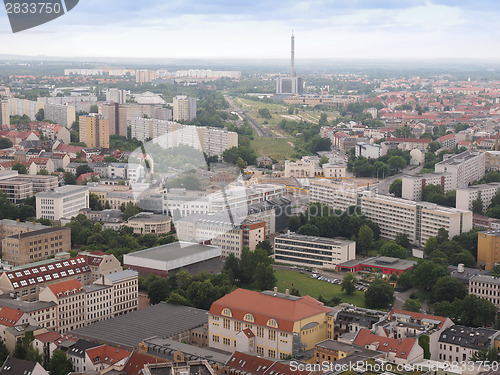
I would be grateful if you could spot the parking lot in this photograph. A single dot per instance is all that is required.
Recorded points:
(329, 279)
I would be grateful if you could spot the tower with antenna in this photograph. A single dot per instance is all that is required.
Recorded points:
(290, 85)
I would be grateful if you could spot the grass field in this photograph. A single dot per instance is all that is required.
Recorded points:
(278, 149)
(309, 286)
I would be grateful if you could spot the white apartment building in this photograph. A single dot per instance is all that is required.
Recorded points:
(367, 150)
(184, 108)
(70, 299)
(98, 302)
(467, 195)
(62, 202)
(307, 168)
(62, 114)
(116, 95)
(312, 251)
(125, 290)
(487, 287)
(413, 185)
(465, 168)
(130, 171)
(214, 141)
(419, 220)
(21, 107)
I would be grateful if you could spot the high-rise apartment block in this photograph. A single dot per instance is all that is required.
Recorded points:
(116, 96)
(4, 112)
(465, 168)
(413, 185)
(116, 114)
(94, 131)
(184, 108)
(143, 76)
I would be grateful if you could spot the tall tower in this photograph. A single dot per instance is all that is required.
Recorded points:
(293, 57)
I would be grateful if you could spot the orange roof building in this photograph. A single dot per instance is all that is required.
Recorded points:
(101, 357)
(274, 319)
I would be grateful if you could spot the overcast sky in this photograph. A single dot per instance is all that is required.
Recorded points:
(380, 29)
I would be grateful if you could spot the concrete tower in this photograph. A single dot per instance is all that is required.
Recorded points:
(293, 56)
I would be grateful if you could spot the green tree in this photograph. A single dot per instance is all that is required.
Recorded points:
(291, 110)
(158, 291)
(392, 249)
(94, 108)
(433, 193)
(323, 160)
(59, 363)
(5, 143)
(396, 187)
(477, 312)
(448, 288)
(20, 168)
(349, 284)
(242, 164)
(129, 210)
(485, 355)
(43, 172)
(477, 206)
(69, 178)
(4, 352)
(264, 277)
(365, 238)
(379, 295)
(177, 299)
(427, 273)
(94, 202)
(20, 351)
(309, 230)
(82, 169)
(232, 267)
(403, 240)
(40, 115)
(264, 112)
(424, 343)
(411, 305)
(293, 223)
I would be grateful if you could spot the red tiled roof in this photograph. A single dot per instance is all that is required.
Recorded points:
(68, 148)
(402, 348)
(57, 270)
(418, 316)
(248, 332)
(50, 336)
(136, 362)
(9, 317)
(252, 364)
(84, 176)
(66, 288)
(446, 137)
(409, 140)
(106, 354)
(264, 307)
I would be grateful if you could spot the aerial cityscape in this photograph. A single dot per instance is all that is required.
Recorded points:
(240, 189)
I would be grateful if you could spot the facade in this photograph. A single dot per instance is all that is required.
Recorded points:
(467, 195)
(419, 220)
(405, 144)
(368, 150)
(63, 202)
(413, 185)
(487, 287)
(17, 191)
(492, 160)
(116, 116)
(146, 223)
(487, 248)
(98, 303)
(35, 245)
(289, 86)
(312, 251)
(447, 141)
(465, 168)
(43, 313)
(458, 343)
(125, 293)
(61, 114)
(306, 168)
(160, 260)
(94, 131)
(70, 298)
(268, 324)
(143, 76)
(116, 95)
(184, 108)
(378, 264)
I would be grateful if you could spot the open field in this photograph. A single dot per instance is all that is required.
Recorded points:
(309, 286)
(279, 149)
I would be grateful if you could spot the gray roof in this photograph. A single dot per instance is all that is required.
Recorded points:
(315, 239)
(467, 337)
(121, 275)
(162, 320)
(486, 279)
(78, 348)
(25, 306)
(62, 191)
(95, 287)
(171, 251)
(14, 366)
(395, 263)
(40, 232)
(467, 274)
(335, 345)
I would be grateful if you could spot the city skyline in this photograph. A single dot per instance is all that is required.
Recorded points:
(367, 30)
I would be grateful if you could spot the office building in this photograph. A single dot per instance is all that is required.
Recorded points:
(94, 131)
(34, 246)
(4, 112)
(488, 246)
(271, 324)
(116, 95)
(465, 168)
(184, 108)
(313, 251)
(62, 202)
(149, 223)
(419, 220)
(367, 150)
(413, 185)
(485, 192)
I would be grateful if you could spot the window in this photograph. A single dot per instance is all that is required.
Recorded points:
(227, 324)
(227, 312)
(215, 338)
(272, 335)
(260, 332)
(226, 341)
(249, 318)
(272, 323)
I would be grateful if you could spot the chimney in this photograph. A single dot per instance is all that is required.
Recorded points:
(275, 289)
(461, 268)
(287, 292)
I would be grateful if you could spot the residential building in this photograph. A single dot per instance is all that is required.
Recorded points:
(405, 351)
(413, 185)
(253, 364)
(62, 202)
(184, 108)
(161, 259)
(101, 357)
(94, 131)
(16, 366)
(313, 251)
(487, 287)
(17, 191)
(465, 168)
(269, 323)
(4, 112)
(43, 313)
(487, 248)
(39, 182)
(405, 144)
(492, 160)
(351, 319)
(447, 141)
(116, 115)
(55, 132)
(116, 95)
(70, 298)
(419, 220)
(148, 223)
(76, 354)
(61, 114)
(10, 318)
(37, 245)
(124, 289)
(101, 263)
(98, 302)
(16, 334)
(309, 168)
(459, 343)
(367, 150)
(14, 227)
(144, 76)
(467, 195)
(332, 350)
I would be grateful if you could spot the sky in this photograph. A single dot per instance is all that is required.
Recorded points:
(261, 29)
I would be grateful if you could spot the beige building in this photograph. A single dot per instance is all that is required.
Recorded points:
(116, 114)
(143, 76)
(14, 227)
(488, 244)
(37, 245)
(313, 251)
(465, 168)
(4, 112)
(70, 298)
(306, 168)
(61, 114)
(94, 131)
(147, 223)
(101, 263)
(413, 185)
(184, 108)
(98, 303)
(268, 324)
(63, 202)
(487, 287)
(44, 314)
(467, 195)
(125, 290)
(17, 191)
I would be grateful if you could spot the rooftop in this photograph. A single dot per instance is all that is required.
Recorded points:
(26, 306)
(40, 232)
(63, 191)
(172, 251)
(14, 366)
(473, 338)
(335, 345)
(322, 240)
(395, 263)
(485, 279)
(402, 348)
(122, 275)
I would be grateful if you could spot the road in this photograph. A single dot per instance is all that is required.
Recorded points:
(261, 132)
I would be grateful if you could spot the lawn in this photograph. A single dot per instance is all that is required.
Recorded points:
(309, 286)
(278, 149)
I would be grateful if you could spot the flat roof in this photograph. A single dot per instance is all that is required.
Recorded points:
(172, 251)
(395, 263)
(40, 232)
(486, 279)
(129, 330)
(326, 240)
(62, 191)
(25, 306)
